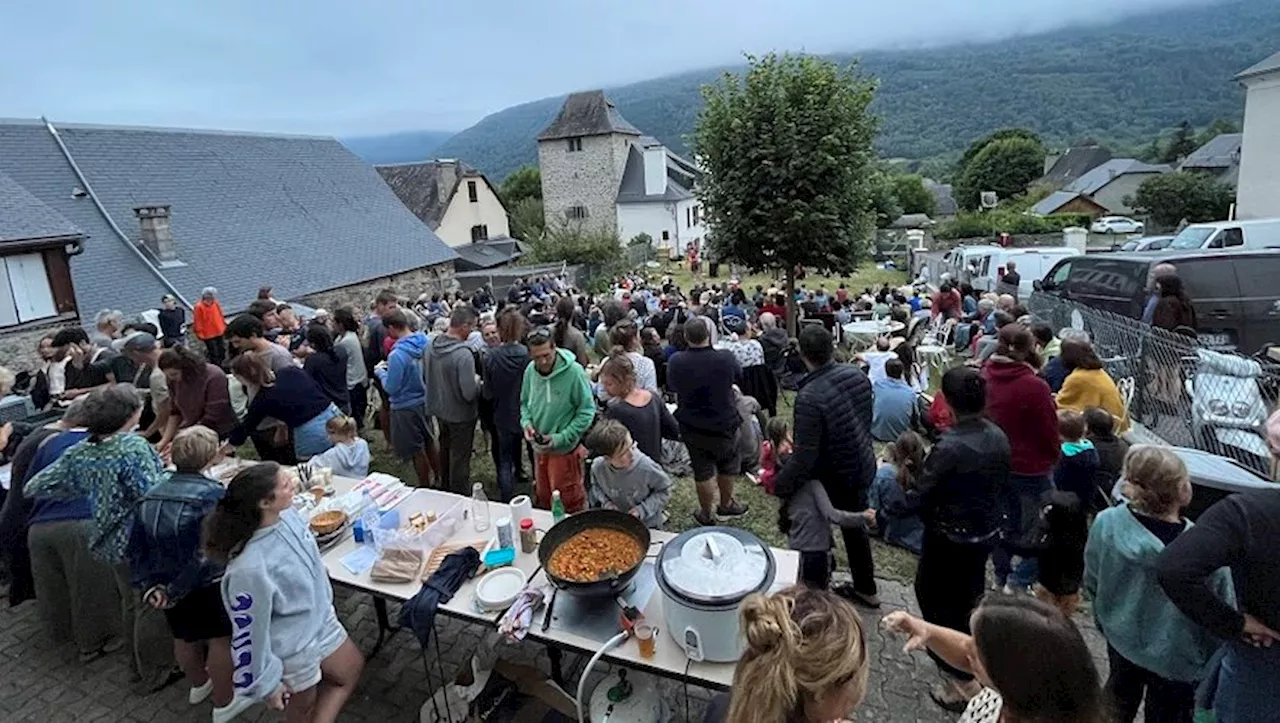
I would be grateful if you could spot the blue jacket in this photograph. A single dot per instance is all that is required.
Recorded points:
(1131, 609)
(165, 547)
(900, 524)
(403, 376)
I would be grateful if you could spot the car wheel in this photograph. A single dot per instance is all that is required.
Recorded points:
(1109, 231)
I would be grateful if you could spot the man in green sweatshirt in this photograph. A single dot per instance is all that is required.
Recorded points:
(556, 407)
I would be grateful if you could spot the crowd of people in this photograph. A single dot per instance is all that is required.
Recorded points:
(603, 401)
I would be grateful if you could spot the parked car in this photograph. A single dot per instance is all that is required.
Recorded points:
(1260, 234)
(1116, 224)
(1146, 243)
(1236, 299)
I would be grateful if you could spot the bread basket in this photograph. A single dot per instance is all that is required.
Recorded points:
(325, 523)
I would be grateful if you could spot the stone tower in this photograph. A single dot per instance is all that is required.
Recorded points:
(582, 155)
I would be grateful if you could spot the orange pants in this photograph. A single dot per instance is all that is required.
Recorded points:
(560, 472)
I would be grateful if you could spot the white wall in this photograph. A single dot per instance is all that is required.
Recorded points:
(698, 231)
(461, 215)
(651, 218)
(1258, 193)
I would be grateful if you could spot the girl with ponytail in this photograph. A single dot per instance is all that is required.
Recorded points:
(894, 482)
(290, 650)
(805, 662)
(567, 335)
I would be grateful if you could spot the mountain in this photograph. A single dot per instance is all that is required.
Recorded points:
(404, 147)
(1123, 83)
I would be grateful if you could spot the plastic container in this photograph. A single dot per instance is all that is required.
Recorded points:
(479, 507)
(528, 536)
(506, 536)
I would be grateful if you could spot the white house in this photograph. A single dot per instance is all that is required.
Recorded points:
(453, 199)
(1258, 192)
(598, 170)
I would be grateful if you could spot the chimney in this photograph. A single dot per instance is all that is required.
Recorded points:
(156, 235)
(655, 170)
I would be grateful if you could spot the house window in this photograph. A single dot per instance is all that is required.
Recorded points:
(697, 215)
(666, 235)
(26, 293)
(575, 144)
(471, 192)
(479, 233)
(576, 213)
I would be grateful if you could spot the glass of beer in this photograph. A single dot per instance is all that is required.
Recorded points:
(646, 638)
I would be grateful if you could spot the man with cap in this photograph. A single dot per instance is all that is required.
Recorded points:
(143, 349)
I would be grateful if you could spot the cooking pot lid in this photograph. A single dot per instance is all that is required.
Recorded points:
(715, 564)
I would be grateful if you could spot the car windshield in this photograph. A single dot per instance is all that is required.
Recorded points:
(1160, 244)
(1192, 237)
(1130, 246)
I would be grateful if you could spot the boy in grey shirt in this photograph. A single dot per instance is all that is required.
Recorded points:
(806, 519)
(624, 478)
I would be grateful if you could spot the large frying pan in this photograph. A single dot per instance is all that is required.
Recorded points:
(587, 520)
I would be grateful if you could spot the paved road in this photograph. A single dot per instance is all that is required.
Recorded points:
(44, 683)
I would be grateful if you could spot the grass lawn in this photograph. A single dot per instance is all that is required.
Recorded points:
(867, 277)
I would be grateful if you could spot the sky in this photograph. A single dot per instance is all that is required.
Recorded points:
(347, 68)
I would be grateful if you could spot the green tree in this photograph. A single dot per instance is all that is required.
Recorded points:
(527, 219)
(884, 202)
(572, 244)
(1006, 166)
(912, 194)
(1000, 135)
(789, 165)
(525, 182)
(1171, 197)
(1181, 145)
(641, 239)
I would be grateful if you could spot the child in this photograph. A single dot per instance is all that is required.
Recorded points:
(349, 455)
(167, 563)
(901, 525)
(1064, 528)
(624, 478)
(1079, 462)
(1111, 449)
(774, 451)
(1151, 644)
(806, 519)
(750, 431)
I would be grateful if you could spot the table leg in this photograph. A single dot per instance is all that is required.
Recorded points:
(384, 624)
(556, 657)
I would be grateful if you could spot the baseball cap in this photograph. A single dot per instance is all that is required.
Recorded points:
(140, 342)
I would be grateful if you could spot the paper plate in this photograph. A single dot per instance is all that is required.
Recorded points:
(498, 589)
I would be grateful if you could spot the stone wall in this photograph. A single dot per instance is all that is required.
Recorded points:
(408, 284)
(18, 348)
(587, 178)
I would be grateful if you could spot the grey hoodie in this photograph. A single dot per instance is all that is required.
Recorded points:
(450, 374)
(812, 515)
(644, 485)
(278, 596)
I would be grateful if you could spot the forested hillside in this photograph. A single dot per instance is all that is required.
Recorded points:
(1122, 83)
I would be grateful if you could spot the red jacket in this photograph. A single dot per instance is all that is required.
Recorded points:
(1020, 402)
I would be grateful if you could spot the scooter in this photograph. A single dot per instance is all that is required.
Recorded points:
(1228, 410)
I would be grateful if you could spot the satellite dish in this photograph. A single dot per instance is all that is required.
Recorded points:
(990, 199)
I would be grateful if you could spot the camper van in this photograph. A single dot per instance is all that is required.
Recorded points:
(987, 268)
(1259, 234)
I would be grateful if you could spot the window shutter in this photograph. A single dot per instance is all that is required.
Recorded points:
(30, 284)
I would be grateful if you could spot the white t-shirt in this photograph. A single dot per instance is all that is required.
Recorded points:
(984, 708)
(875, 364)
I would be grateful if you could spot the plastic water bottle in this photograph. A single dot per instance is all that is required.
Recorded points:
(557, 507)
(369, 517)
(479, 507)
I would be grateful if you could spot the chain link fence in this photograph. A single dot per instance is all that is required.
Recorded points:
(1187, 395)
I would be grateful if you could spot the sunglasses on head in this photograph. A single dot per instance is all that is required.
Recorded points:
(539, 335)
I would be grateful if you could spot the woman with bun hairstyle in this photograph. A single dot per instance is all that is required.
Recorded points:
(805, 662)
(288, 647)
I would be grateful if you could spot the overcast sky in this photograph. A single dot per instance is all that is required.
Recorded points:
(343, 67)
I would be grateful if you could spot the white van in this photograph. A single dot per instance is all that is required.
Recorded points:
(1260, 234)
(1033, 264)
(959, 261)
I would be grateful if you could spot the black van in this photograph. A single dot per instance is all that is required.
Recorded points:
(1236, 294)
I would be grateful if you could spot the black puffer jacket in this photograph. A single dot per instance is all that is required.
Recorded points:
(832, 436)
(958, 490)
(503, 373)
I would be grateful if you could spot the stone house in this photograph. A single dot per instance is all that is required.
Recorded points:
(455, 200)
(600, 171)
(1258, 191)
(144, 212)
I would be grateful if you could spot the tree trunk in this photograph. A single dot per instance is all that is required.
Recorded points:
(793, 315)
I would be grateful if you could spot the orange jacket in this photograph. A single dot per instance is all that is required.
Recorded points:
(209, 320)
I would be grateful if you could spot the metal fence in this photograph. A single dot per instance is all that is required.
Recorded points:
(500, 278)
(1184, 393)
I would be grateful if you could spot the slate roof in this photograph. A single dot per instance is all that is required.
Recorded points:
(1054, 201)
(488, 254)
(426, 188)
(24, 218)
(588, 113)
(1096, 179)
(1077, 161)
(682, 175)
(1220, 153)
(1270, 65)
(302, 214)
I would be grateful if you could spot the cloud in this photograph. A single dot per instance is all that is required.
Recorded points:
(331, 67)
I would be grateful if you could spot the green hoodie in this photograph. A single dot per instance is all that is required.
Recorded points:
(558, 404)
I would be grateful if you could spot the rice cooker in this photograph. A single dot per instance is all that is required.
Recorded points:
(704, 575)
